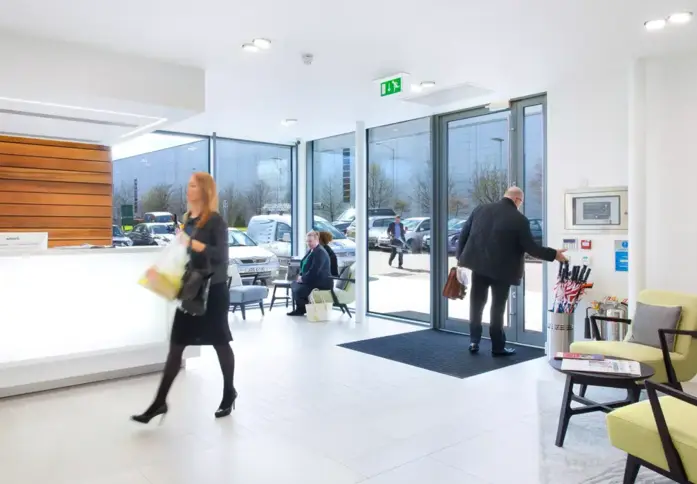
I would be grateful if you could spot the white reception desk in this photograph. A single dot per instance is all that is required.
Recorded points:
(74, 316)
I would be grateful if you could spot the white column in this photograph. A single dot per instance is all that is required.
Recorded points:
(361, 176)
(637, 181)
(301, 223)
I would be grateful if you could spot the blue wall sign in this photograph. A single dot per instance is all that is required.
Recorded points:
(621, 256)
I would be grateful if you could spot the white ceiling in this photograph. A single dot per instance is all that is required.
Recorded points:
(509, 47)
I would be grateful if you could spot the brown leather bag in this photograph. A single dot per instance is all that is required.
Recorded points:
(453, 289)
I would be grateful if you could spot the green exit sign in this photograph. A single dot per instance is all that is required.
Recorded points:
(391, 86)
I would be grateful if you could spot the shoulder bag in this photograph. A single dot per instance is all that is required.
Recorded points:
(196, 283)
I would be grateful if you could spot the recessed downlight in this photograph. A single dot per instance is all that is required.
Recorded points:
(653, 25)
(262, 43)
(428, 84)
(289, 122)
(416, 88)
(250, 47)
(680, 18)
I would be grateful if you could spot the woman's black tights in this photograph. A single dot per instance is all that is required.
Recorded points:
(174, 362)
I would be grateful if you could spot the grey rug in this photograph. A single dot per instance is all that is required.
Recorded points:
(587, 456)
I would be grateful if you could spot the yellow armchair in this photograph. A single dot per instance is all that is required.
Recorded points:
(683, 355)
(661, 433)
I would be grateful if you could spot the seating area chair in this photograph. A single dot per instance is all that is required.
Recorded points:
(661, 433)
(344, 292)
(250, 291)
(683, 355)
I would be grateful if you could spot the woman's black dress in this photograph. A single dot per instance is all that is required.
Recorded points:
(212, 328)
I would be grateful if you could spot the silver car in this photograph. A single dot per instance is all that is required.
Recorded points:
(251, 260)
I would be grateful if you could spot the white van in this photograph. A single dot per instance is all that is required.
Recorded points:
(273, 232)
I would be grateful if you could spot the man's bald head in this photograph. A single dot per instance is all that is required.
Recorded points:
(515, 194)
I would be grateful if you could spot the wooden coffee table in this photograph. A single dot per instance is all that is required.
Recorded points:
(632, 383)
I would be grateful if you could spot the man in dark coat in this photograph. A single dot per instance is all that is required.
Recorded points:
(493, 244)
(314, 274)
(397, 232)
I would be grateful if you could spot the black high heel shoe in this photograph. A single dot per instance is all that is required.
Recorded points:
(150, 414)
(224, 410)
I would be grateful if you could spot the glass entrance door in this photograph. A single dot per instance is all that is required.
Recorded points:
(484, 153)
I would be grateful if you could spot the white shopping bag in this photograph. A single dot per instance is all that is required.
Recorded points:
(462, 276)
(319, 309)
(164, 278)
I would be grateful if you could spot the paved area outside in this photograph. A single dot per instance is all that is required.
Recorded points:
(394, 290)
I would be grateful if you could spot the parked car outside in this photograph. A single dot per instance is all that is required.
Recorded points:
(454, 229)
(536, 229)
(349, 216)
(377, 226)
(273, 232)
(250, 258)
(118, 238)
(152, 234)
(416, 228)
(158, 217)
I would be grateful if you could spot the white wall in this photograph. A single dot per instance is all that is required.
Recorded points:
(671, 169)
(587, 146)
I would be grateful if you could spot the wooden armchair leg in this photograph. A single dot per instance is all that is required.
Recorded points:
(631, 470)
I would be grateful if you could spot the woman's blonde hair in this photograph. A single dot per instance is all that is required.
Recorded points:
(209, 197)
(325, 237)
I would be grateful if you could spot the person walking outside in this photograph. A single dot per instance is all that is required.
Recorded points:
(207, 232)
(493, 243)
(396, 231)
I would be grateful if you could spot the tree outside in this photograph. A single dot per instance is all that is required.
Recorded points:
(489, 183)
(330, 199)
(380, 188)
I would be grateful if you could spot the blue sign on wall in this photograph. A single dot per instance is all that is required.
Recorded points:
(621, 256)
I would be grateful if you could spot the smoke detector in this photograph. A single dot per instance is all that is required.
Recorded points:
(307, 59)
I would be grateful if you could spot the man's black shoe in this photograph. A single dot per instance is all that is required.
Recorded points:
(474, 348)
(504, 352)
(296, 313)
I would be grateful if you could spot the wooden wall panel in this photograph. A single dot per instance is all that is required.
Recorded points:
(61, 188)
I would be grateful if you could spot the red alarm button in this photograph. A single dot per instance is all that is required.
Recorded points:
(586, 244)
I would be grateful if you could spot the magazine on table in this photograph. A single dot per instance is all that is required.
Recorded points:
(577, 356)
(619, 367)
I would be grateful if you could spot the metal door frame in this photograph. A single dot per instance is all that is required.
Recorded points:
(515, 330)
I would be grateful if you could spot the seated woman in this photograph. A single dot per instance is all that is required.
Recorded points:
(314, 274)
(324, 239)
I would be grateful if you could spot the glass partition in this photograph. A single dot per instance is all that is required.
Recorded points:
(400, 180)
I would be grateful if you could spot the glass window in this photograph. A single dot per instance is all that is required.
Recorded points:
(151, 172)
(116, 231)
(161, 229)
(283, 232)
(237, 238)
(323, 226)
(333, 190)
(253, 179)
(400, 174)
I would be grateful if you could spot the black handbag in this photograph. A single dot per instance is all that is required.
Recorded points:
(196, 283)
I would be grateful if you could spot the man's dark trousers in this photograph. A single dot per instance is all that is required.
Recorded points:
(479, 295)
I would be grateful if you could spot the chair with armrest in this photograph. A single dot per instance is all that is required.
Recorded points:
(343, 293)
(683, 354)
(661, 433)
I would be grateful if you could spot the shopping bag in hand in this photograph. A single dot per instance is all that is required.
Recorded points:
(453, 289)
(318, 309)
(164, 278)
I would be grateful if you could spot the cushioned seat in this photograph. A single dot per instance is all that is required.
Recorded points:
(344, 291)
(633, 429)
(240, 296)
(631, 351)
(247, 294)
(684, 351)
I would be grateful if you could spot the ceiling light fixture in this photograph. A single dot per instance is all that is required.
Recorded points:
(416, 88)
(680, 18)
(653, 25)
(250, 47)
(289, 122)
(428, 84)
(262, 43)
